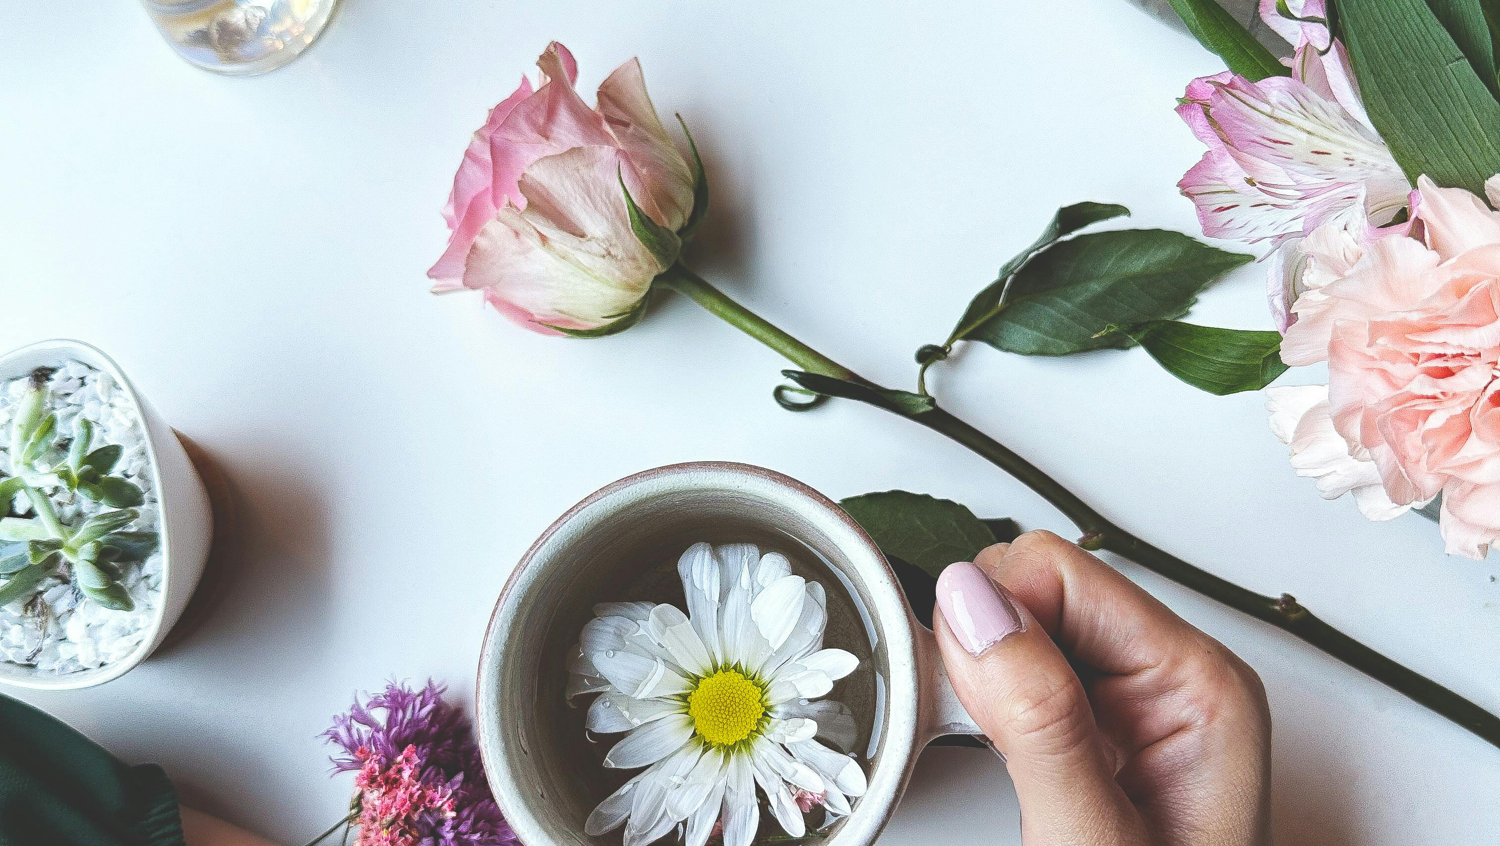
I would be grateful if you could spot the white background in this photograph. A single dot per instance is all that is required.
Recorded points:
(252, 251)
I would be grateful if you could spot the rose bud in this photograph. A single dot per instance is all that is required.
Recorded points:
(562, 214)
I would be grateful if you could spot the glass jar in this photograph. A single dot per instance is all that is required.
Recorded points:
(240, 37)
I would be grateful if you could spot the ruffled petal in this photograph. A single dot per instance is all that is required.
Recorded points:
(662, 180)
(570, 259)
(1470, 519)
(1455, 221)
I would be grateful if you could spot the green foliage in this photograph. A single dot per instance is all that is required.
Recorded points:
(923, 530)
(48, 467)
(1220, 361)
(1064, 297)
(1432, 108)
(1218, 31)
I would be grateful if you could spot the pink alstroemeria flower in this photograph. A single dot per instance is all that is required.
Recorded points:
(1288, 154)
(539, 221)
(1411, 334)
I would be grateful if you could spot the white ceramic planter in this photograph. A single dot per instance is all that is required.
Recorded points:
(186, 516)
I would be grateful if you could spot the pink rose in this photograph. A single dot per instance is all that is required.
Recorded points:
(1411, 334)
(539, 220)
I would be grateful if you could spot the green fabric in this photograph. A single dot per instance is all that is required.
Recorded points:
(58, 788)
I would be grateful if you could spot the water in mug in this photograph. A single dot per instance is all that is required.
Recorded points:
(240, 36)
(654, 578)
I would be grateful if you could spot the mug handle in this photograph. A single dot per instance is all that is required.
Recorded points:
(940, 711)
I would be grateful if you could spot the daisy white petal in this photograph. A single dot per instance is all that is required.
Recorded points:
(778, 608)
(603, 634)
(740, 562)
(792, 730)
(579, 684)
(835, 720)
(836, 802)
(835, 662)
(615, 712)
(701, 823)
(649, 818)
(807, 634)
(698, 785)
(741, 815)
(843, 771)
(613, 810)
(783, 806)
(671, 629)
(638, 676)
(701, 574)
(794, 681)
(651, 742)
(770, 755)
(634, 611)
(772, 566)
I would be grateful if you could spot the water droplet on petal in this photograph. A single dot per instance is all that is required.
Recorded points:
(609, 653)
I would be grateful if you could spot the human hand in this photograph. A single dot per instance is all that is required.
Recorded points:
(1120, 723)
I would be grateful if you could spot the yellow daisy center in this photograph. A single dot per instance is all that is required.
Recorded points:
(726, 707)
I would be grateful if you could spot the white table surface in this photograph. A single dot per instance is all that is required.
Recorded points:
(252, 251)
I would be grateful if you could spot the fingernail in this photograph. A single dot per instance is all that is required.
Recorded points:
(977, 610)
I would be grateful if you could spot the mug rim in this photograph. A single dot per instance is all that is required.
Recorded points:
(899, 731)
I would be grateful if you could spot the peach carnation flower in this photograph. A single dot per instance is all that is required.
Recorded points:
(1411, 334)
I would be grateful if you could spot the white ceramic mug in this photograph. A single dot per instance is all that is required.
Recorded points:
(521, 715)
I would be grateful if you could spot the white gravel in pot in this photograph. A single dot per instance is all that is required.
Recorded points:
(59, 631)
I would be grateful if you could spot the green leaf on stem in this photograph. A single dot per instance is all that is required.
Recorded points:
(100, 525)
(22, 584)
(130, 546)
(103, 587)
(661, 242)
(1431, 108)
(901, 402)
(1065, 299)
(991, 301)
(83, 436)
(112, 491)
(700, 188)
(9, 487)
(1220, 361)
(1218, 31)
(22, 529)
(40, 438)
(920, 529)
(104, 458)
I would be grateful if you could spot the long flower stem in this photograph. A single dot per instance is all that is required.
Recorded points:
(1284, 612)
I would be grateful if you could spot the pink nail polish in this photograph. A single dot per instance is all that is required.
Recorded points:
(977, 610)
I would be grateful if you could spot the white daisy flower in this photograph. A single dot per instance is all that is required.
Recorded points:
(719, 701)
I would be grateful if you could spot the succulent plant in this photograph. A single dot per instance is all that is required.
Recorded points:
(50, 467)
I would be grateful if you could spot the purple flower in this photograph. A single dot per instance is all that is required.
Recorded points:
(421, 781)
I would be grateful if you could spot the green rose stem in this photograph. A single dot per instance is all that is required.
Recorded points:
(1284, 612)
